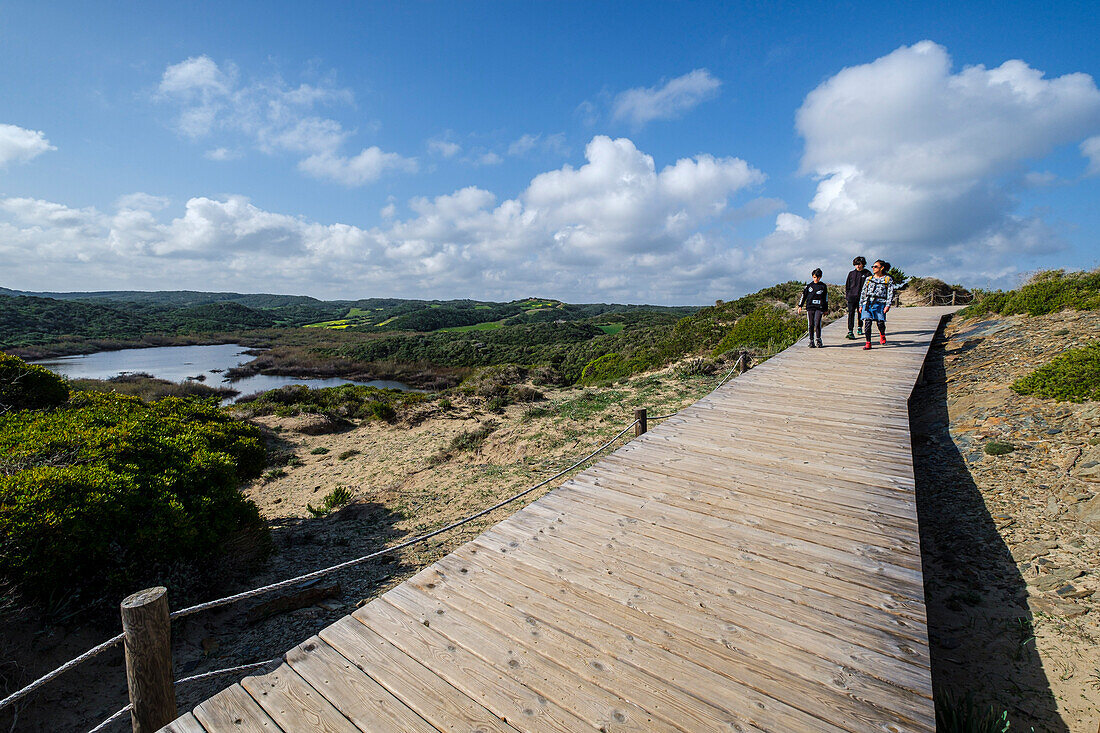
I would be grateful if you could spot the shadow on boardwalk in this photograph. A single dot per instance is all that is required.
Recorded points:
(979, 625)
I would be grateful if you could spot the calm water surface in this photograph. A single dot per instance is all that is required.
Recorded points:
(177, 363)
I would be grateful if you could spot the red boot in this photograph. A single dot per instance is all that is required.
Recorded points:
(867, 346)
(882, 338)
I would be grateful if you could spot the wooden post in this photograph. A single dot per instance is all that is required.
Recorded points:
(149, 659)
(640, 421)
(953, 297)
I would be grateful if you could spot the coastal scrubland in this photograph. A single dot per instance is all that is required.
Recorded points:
(345, 470)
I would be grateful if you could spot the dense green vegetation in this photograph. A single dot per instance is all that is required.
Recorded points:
(1072, 376)
(346, 401)
(28, 387)
(102, 494)
(1046, 292)
(768, 328)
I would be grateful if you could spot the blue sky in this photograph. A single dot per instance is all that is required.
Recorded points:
(641, 152)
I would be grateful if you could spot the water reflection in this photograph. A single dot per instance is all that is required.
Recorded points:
(177, 363)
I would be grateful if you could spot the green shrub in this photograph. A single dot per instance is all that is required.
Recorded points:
(344, 455)
(1046, 292)
(1072, 376)
(769, 328)
(336, 498)
(319, 451)
(26, 386)
(998, 448)
(273, 474)
(612, 367)
(472, 439)
(107, 494)
(497, 404)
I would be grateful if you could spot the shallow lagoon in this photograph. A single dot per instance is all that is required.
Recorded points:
(177, 363)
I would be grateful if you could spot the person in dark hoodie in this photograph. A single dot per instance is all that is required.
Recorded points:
(815, 296)
(853, 288)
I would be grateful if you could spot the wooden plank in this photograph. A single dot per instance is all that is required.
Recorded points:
(432, 697)
(494, 687)
(571, 540)
(233, 709)
(186, 723)
(677, 650)
(362, 700)
(577, 674)
(807, 523)
(800, 552)
(293, 704)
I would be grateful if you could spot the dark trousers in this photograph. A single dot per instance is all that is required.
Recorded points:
(867, 328)
(853, 310)
(813, 317)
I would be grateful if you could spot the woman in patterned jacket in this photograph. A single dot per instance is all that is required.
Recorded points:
(875, 299)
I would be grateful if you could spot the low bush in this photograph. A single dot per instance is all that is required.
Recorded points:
(472, 439)
(349, 453)
(523, 393)
(768, 328)
(1046, 292)
(346, 401)
(334, 499)
(108, 494)
(26, 386)
(319, 451)
(1072, 376)
(998, 448)
(150, 388)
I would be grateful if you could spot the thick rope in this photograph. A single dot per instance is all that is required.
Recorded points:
(60, 670)
(227, 670)
(113, 718)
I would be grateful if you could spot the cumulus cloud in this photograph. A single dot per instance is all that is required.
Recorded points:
(273, 117)
(915, 161)
(525, 144)
(368, 166)
(444, 148)
(668, 101)
(1091, 149)
(614, 228)
(19, 145)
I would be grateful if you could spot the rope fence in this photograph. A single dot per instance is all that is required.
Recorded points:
(742, 364)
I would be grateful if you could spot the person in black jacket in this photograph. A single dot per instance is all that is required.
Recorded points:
(815, 296)
(853, 287)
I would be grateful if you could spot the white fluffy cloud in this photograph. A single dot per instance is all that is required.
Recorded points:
(917, 163)
(1091, 149)
(676, 96)
(19, 145)
(615, 228)
(273, 117)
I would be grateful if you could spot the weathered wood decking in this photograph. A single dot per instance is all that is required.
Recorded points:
(751, 564)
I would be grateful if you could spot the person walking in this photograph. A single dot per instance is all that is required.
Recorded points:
(853, 287)
(875, 299)
(815, 296)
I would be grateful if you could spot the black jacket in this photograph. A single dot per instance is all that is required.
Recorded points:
(815, 296)
(854, 285)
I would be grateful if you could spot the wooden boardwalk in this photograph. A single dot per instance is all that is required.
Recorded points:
(751, 564)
